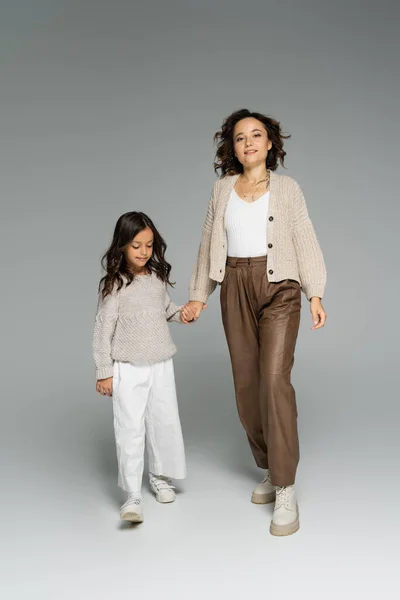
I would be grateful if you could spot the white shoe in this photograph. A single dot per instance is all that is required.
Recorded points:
(286, 512)
(264, 492)
(163, 489)
(132, 510)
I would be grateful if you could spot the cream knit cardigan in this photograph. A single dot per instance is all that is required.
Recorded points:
(293, 248)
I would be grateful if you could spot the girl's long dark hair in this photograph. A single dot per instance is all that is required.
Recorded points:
(225, 159)
(114, 263)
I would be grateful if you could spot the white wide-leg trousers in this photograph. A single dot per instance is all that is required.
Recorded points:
(146, 409)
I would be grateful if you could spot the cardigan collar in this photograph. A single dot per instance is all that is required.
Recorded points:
(228, 184)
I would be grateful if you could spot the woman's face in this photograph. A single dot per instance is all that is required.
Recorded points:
(250, 142)
(140, 250)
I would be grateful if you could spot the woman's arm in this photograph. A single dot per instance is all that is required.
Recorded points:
(310, 260)
(104, 327)
(201, 286)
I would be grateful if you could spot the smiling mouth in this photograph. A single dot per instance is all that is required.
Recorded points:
(251, 151)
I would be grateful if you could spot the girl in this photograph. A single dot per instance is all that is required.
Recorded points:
(259, 243)
(133, 352)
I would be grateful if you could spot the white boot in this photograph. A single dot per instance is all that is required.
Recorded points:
(132, 510)
(264, 492)
(286, 512)
(162, 488)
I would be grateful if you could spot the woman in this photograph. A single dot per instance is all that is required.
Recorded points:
(258, 242)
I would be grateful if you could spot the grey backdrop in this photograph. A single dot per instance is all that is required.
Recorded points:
(111, 106)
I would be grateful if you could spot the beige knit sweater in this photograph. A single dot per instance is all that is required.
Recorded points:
(131, 325)
(293, 248)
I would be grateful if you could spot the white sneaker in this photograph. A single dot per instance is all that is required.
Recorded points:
(132, 510)
(286, 512)
(163, 489)
(264, 492)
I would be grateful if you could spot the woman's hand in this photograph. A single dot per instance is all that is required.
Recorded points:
(191, 311)
(105, 386)
(318, 313)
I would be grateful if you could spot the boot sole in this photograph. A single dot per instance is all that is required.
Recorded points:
(132, 517)
(283, 530)
(263, 498)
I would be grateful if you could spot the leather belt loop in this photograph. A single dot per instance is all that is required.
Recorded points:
(232, 262)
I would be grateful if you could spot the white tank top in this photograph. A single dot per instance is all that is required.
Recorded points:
(246, 226)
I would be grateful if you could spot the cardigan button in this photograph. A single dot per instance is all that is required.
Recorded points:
(269, 245)
(270, 271)
(271, 218)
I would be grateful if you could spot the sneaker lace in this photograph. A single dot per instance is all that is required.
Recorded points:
(161, 484)
(132, 500)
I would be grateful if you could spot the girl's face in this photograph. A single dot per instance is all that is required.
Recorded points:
(250, 142)
(139, 250)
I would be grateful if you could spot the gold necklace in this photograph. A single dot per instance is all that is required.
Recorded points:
(258, 184)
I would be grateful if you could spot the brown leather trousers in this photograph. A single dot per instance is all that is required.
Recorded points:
(261, 322)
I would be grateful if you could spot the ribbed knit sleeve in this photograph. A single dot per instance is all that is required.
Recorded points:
(310, 260)
(201, 286)
(172, 310)
(104, 327)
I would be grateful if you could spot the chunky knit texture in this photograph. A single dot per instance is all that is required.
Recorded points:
(131, 325)
(293, 248)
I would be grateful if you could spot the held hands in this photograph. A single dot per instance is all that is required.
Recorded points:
(318, 313)
(191, 311)
(105, 386)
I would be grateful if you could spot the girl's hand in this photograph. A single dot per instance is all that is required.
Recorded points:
(187, 314)
(318, 313)
(195, 309)
(105, 386)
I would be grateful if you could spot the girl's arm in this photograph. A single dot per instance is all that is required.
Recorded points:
(104, 327)
(172, 310)
(309, 255)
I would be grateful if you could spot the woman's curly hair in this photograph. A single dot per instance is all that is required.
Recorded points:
(113, 262)
(225, 159)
